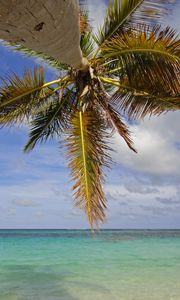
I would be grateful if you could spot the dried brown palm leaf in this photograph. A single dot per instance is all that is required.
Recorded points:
(138, 104)
(84, 21)
(88, 154)
(115, 118)
(151, 57)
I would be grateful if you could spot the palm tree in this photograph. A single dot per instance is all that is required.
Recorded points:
(130, 71)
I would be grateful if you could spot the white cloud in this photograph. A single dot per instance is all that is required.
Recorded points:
(141, 188)
(156, 141)
(11, 212)
(24, 202)
(39, 214)
(168, 201)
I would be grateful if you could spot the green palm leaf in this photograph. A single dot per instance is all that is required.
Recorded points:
(16, 88)
(20, 97)
(52, 119)
(122, 13)
(87, 153)
(87, 45)
(43, 58)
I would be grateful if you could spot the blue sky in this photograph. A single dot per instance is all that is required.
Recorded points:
(143, 190)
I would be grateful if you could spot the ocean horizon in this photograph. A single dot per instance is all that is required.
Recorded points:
(73, 264)
(95, 230)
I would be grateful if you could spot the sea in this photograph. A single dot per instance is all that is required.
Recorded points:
(82, 265)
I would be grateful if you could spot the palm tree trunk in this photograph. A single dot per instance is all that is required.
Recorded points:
(47, 26)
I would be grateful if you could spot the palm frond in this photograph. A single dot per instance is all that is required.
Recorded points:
(115, 117)
(123, 13)
(44, 58)
(84, 20)
(87, 153)
(18, 96)
(152, 57)
(87, 45)
(163, 42)
(52, 119)
(21, 97)
(138, 104)
(87, 41)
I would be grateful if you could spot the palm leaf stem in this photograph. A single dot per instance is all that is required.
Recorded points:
(142, 51)
(66, 78)
(136, 92)
(113, 71)
(109, 62)
(53, 91)
(116, 83)
(85, 163)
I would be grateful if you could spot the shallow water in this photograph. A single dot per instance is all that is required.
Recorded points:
(75, 265)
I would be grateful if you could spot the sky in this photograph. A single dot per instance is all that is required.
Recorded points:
(143, 189)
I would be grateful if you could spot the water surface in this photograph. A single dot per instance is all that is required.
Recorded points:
(75, 265)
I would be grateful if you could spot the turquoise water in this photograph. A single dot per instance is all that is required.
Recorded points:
(74, 265)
